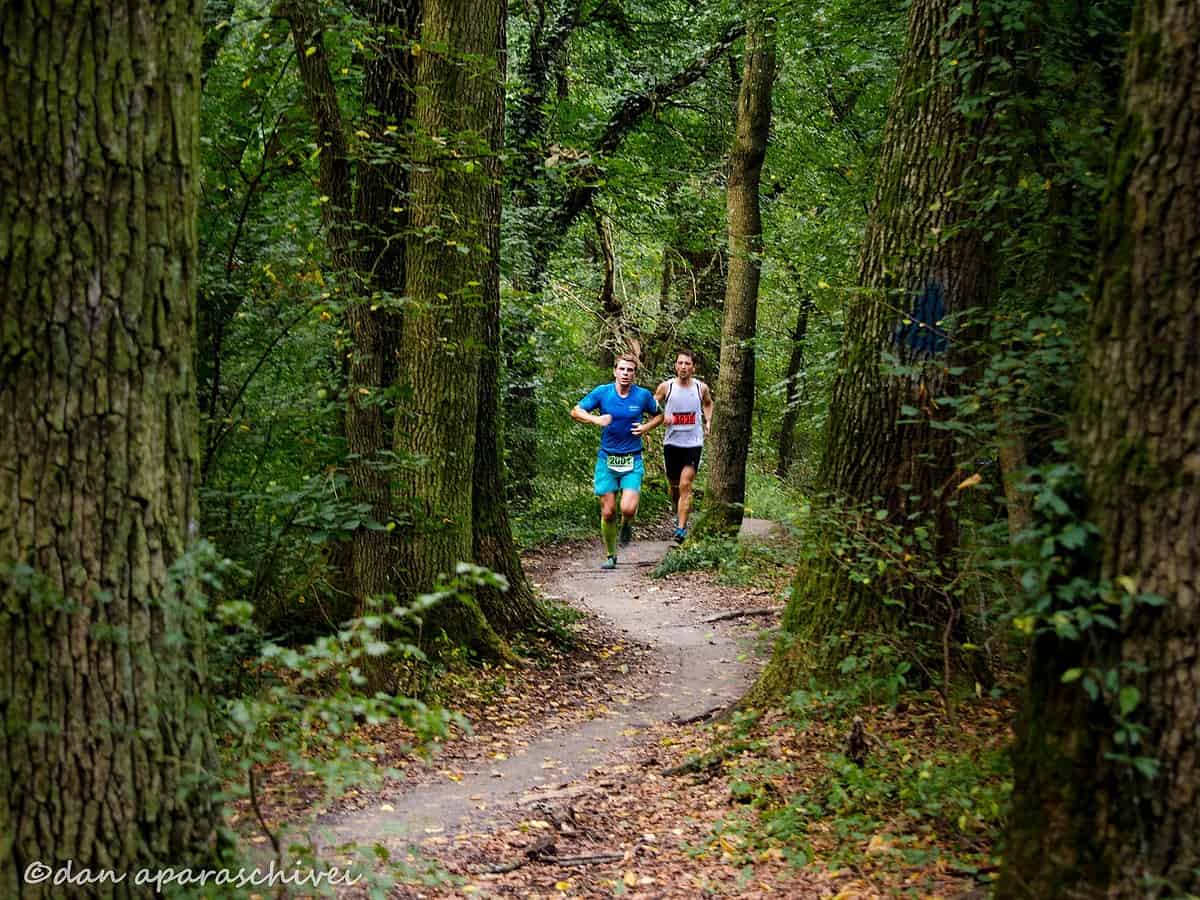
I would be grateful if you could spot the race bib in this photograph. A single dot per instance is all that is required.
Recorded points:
(622, 462)
(687, 418)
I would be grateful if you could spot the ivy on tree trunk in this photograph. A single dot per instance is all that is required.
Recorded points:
(1087, 820)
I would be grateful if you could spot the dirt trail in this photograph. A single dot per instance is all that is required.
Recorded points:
(694, 668)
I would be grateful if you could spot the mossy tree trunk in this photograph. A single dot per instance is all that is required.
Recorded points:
(734, 399)
(107, 745)
(380, 220)
(924, 258)
(1083, 823)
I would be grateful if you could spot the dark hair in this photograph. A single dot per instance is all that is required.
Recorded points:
(684, 351)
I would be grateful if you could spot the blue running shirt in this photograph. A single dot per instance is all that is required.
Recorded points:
(625, 411)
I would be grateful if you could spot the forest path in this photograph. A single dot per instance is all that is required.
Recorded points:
(693, 668)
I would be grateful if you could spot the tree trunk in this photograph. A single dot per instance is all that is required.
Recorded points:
(372, 314)
(540, 68)
(372, 331)
(734, 400)
(791, 403)
(613, 341)
(455, 208)
(1013, 458)
(1107, 830)
(516, 610)
(107, 743)
(923, 253)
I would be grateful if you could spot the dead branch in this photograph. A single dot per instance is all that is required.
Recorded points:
(744, 613)
(583, 860)
(698, 717)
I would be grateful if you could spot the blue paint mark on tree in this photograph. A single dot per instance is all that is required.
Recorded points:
(922, 330)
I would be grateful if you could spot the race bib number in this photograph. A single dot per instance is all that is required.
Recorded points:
(620, 462)
(687, 418)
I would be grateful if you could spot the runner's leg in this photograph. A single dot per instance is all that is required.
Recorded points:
(608, 522)
(669, 465)
(631, 486)
(685, 494)
(605, 485)
(629, 505)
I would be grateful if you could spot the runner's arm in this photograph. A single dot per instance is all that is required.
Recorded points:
(579, 414)
(642, 427)
(657, 419)
(706, 402)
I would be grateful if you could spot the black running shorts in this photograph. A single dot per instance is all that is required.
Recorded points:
(678, 458)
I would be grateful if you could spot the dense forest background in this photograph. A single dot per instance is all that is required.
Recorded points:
(937, 259)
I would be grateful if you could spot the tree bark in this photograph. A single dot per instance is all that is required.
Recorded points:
(378, 280)
(612, 310)
(516, 610)
(452, 260)
(1106, 830)
(734, 398)
(791, 403)
(107, 743)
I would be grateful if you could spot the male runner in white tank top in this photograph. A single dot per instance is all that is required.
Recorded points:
(687, 408)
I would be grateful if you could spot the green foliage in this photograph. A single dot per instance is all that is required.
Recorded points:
(305, 704)
(907, 803)
(1064, 597)
(735, 562)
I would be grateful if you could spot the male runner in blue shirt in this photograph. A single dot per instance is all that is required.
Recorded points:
(621, 406)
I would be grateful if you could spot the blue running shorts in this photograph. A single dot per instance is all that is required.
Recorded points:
(606, 480)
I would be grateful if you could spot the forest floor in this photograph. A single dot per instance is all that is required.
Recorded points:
(608, 770)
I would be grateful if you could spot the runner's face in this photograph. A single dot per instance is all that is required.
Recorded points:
(624, 373)
(684, 367)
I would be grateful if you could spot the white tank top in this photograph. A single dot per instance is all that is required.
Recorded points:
(685, 427)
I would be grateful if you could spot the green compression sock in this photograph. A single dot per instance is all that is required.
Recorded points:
(608, 530)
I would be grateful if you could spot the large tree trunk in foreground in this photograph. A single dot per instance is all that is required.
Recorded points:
(107, 746)
(1085, 824)
(734, 400)
(455, 208)
(925, 254)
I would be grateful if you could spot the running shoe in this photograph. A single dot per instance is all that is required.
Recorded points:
(680, 535)
(626, 534)
(610, 563)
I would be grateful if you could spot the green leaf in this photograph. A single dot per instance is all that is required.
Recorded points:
(1071, 675)
(1129, 698)
(1146, 765)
